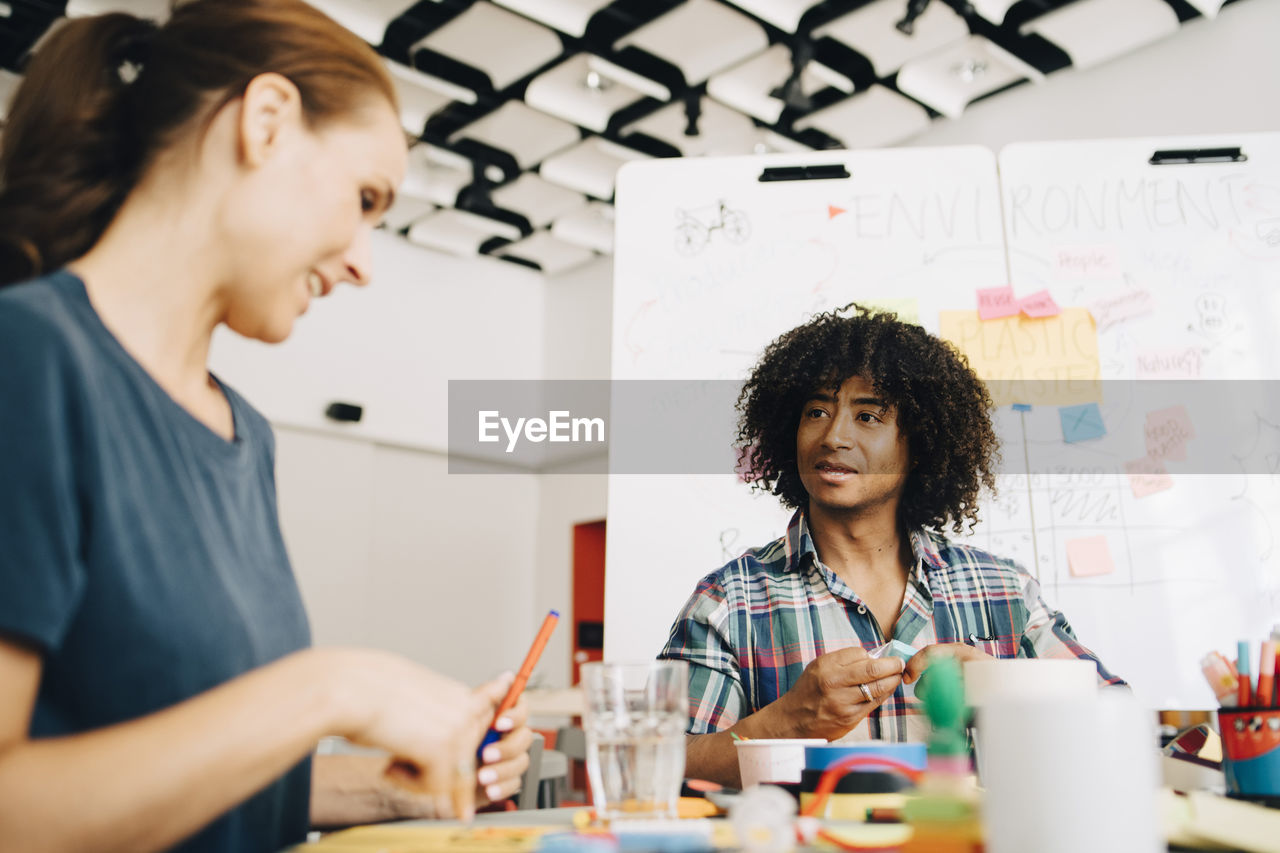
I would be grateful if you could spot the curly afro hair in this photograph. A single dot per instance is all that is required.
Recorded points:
(943, 409)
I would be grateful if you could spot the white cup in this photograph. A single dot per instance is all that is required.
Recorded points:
(772, 759)
(1070, 775)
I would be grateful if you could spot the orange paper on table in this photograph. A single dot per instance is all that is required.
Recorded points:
(1090, 556)
(1051, 361)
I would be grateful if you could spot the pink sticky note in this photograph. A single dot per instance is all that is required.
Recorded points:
(996, 302)
(1089, 557)
(1167, 431)
(1039, 304)
(1148, 476)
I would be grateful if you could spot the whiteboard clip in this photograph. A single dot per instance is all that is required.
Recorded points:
(1183, 156)
(804, 173)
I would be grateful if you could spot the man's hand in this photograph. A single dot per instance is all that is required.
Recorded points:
(920, 660)
(837, 691)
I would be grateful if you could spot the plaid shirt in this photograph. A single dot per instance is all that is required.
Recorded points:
(752, 627)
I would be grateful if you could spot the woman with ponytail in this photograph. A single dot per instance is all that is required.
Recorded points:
(157, 685)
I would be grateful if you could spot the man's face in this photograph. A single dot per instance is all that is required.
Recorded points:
(850, 452)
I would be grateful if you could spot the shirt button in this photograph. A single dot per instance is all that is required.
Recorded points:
(862, 609)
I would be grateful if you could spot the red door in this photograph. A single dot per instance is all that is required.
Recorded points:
(588, 594)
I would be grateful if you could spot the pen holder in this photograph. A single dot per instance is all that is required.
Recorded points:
(1251, 751)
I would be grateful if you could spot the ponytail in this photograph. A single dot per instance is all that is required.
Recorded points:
(103, 96)
(65, 161)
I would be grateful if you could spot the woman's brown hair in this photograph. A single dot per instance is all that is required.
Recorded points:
(104, 96)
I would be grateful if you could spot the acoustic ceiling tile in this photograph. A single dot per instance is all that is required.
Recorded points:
(536, 199)
(523, 132)
(1093, 31)
(366, 18)
(590, 226)
(422, 96)
(871, 31)
(783, 14)
(567, 16)
(700, 37)
(549, 254)
(502, 44)
(459, 232)
(406, 210)
(589, 167)
(588, 91)
(876, 118)
(955, 77)
(436, 175)
(720, 129)
(749, 87)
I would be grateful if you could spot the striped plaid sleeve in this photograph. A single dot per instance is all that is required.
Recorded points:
(700, 637)
(1049, 635)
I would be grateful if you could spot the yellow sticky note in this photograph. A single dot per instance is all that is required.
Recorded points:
(1089, 557)
(1049, 361)
(907, 308)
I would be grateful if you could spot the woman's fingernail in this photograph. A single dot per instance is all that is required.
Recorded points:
(504, 724)
(493, 792)
(487, 776)
(492, 754)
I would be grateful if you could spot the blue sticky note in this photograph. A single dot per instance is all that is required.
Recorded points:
(1022, 407)
(1081, 423)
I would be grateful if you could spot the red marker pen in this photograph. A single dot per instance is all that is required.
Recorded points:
(1266, 674)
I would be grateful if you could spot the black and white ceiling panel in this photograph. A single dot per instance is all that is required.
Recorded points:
(521, 112)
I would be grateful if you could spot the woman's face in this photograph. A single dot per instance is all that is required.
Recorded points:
(302, 221)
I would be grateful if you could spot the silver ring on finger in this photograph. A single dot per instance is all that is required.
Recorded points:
(866, 692)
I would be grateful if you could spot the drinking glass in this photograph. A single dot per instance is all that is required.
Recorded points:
(635, 720)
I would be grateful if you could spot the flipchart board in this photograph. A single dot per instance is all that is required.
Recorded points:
(1140, 476)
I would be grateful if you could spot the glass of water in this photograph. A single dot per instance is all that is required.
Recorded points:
(635, 720)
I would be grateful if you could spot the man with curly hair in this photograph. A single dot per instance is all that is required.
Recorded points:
(879, 436)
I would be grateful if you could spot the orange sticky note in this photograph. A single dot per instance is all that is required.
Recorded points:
(1089, 557)
(1148, 476)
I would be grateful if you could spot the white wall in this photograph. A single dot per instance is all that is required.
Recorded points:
(391, 552)
(578, 314)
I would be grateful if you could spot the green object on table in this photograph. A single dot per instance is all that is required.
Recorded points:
(941, 690)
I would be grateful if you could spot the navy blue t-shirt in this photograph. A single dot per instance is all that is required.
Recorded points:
(140, 552)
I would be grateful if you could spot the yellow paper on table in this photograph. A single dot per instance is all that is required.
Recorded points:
(425, 839)
(1049, 361)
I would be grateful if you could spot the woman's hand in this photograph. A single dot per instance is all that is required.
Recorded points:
(430, 724)
(503, 763)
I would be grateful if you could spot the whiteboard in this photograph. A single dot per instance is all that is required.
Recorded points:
(712, 264)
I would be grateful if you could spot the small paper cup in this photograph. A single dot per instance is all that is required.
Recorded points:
(772, 759)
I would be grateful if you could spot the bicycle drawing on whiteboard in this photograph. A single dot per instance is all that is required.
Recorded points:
(694, 227)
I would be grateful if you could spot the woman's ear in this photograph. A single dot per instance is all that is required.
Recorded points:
(271, 105)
